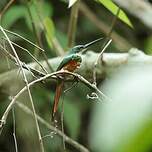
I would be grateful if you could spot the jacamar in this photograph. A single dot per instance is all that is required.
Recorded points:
(70, 63)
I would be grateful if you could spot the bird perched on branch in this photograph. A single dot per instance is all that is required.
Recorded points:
(69, 63)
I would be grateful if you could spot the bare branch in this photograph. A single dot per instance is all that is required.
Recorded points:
(109, 63)
(28, 89)
(38, 38)
(14, 130)
(79, 77)
(96, 62)
(73, 24)
(32, 56)
(140, 8)
(119, 41)
(27, 67)
(6, 8)
(55, 43)
(60, 133)
(10, 32)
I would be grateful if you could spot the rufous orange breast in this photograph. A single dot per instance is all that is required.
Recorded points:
(71, 66)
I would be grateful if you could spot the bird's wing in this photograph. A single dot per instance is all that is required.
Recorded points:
(65, 61)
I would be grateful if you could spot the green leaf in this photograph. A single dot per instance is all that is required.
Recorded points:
(71, 2)
(16, 12)
(38, 12)
(114, 8)
(50, 30)
(12, 15)
(148, 45)
(143, 136)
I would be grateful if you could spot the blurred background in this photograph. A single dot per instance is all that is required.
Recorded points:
(48, 24)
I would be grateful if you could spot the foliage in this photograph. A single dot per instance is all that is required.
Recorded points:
(103, 127)
(113, 8)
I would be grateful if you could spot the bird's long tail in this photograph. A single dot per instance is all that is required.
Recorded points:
(58, 92)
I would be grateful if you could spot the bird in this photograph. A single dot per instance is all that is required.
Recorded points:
(70, 62)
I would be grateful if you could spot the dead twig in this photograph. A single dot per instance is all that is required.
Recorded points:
(96, 62)
(38, 39)
(55, 43)
(10, 32)
(139, 8)
(120, 42)
(28, 89)
(67, 139)
(105, 44)
(14, 130)
(27, 67)
(6, 8)
(77, 76)
(32, 56)
(73, 24)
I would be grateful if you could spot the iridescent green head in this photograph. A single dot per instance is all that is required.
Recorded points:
(79, 48)
(76, 49)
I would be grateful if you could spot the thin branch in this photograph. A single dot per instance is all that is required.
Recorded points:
(73, 24)
(13, 33)
(77, 76)
(120, 42)
(37, 35)
(7, 60)
(28, 89)
(47, 62)
(139, 8)
(105, 44)
(14, 130)
(70, 141)
(27, 67)
(110, 63)
(35, 59)
(96, 62)
(55, 43)
(71, 87)
(6, 8)
(113, 24)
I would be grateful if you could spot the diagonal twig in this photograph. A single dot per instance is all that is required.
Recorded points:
(6, 8)
(141, 9)
(73, 24)
(28, 89)
(27, 67)
(70, 141)
(13, 33)
(37, 35)
(55, 43)
(32, 56)
(79, 77)
(119, 40)
(14, 130)
(96, 62)
(105, 44)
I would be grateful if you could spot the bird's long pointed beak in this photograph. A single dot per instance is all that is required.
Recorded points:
(91, 43)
